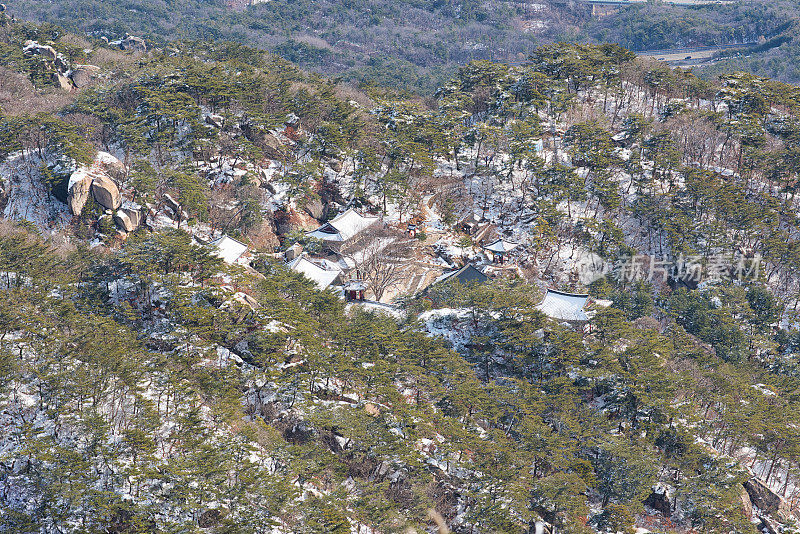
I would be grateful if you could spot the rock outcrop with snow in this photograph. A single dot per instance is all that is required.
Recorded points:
(80, 184)
(106, 192)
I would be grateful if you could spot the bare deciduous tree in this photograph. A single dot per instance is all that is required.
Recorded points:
(379, 257)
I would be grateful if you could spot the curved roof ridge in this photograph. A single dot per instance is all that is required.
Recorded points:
(564, 293)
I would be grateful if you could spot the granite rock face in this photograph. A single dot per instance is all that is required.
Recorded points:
(133, 43)
(80, 183)
(82, 75)
(106, 192)
(123, 222)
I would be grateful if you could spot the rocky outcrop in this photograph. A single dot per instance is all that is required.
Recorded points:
(123, 222)
(33, 48)
(112, 166)
(292, 120)
(292, 127)
(263, 236)
(133, 43)
(769, 526)
(106, 192)
(762, 497)
(268, 142)
(217, 121)
(133, 211)
(287, 222)
(52, 62)
(272, 147)
(661, 499)
(64, 81)
(67, 77)
(315, 208)
(98, 180)
(82, 75)
(747, 504)
(80, 184)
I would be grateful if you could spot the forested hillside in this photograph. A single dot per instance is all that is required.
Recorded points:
(166, 365)
(419, 44)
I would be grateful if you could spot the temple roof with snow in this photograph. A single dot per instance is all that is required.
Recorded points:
(322, 276)
(344, 226)
(227, 248)
(466, 275)
(355, 285)
(564, 306)
(501, 246)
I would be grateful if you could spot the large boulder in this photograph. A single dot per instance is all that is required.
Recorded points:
(112, 166)
(661, 499)
(762, 497)
(82, 75)
(173, 206)
(293, 252)
(63, 81)
(217, 121)
(747, 504)
(293, 221)
(106, 192)
(272, 147)
(78, 188)
(123, 222)
(133, 211)
(315, 208)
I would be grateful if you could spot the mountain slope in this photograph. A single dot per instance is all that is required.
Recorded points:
(147, 385)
